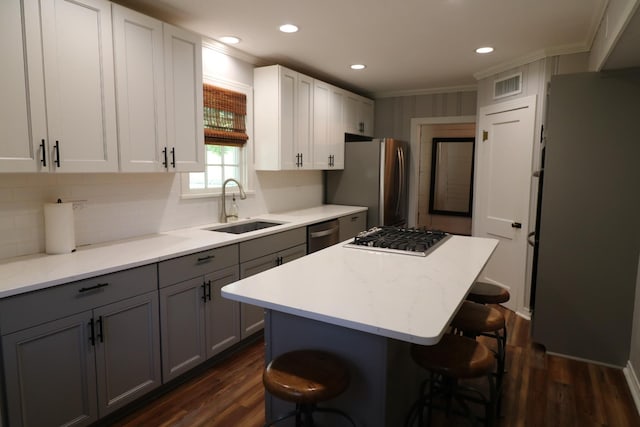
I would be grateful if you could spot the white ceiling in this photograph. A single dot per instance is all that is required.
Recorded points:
(407, 45)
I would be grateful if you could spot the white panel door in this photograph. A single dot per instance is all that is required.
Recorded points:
(304, 121)
(183, 76)
(289, 154)
(321, 124)
(79, 82)
(23, 133)
(139, 65)
(503, 189)
(336, 135)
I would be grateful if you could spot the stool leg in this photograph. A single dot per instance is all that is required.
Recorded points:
(294, 413)
(337, 412)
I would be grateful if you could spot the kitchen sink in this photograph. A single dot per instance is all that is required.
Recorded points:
(245, 227)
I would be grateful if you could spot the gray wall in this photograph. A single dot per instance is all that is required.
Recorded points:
(393, 117)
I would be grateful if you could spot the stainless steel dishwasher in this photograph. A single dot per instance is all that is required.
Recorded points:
(323, 234)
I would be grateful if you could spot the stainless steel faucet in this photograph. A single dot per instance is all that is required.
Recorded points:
(243, 195)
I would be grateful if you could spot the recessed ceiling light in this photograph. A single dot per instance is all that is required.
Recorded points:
(358, 67)
(288, 28)
(486, 49)
(229, 39)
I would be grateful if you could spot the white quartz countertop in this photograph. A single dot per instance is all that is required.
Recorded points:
(399, 296)
(33, 272)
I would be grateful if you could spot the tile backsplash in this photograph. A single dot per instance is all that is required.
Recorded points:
(117, 206)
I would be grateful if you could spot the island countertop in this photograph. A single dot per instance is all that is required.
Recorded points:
(409, 298)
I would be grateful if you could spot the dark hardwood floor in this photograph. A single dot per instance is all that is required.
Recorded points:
(540, 390)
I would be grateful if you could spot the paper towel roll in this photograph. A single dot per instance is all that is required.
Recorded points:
(60, 237)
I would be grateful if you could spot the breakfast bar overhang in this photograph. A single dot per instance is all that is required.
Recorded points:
(367, 307)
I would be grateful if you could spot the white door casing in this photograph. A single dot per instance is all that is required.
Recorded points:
(504, 157)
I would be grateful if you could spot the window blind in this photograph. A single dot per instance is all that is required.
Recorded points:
(225, 114)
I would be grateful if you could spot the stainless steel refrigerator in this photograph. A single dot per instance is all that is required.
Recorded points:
(589, 223)
(375, 176)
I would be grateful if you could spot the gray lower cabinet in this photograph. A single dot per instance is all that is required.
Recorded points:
(196, 322)
(71, 370)
(261, 254)
(351, 225)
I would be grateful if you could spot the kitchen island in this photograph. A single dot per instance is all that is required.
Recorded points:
(367, 307)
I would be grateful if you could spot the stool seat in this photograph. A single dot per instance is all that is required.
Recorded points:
(454, 356)
(306, 376)
(476, 318)
(487, 293)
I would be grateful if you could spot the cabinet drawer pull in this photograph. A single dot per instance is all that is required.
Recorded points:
(90, 288)
(354, 218)
(206, 258)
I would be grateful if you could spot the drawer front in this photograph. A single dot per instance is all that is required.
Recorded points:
(351, 225)
(256, 248)
(33, 308)
(198, 264)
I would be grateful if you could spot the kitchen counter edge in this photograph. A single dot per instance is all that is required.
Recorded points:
(40, 271)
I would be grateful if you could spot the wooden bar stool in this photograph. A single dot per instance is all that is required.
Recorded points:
(454, 358)
(306, 378)
(488, 293)
(474, 319)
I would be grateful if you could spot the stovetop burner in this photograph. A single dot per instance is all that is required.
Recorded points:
(411, 241)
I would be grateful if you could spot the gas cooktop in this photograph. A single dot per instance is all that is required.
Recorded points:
(409, 241)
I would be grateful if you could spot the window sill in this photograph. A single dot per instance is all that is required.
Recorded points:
(215, 194)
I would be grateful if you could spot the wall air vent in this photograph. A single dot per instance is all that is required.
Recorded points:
(507, 86)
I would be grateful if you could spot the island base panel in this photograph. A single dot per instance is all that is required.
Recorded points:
(384, 379)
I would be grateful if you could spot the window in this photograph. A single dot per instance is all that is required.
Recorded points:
(227, 119)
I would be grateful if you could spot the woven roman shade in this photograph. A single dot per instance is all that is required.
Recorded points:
(225, 114)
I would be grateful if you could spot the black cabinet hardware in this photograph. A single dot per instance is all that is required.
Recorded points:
(57, 150)
(516, 225)
(91, 288)
(204, 292)
(209, 290)
(206, 258)
(173, 157)
(100, 335)
(92, 335)
(165, 161)
(44, 153)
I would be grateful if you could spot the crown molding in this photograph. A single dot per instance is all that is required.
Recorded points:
(431, 91)
(231, 51)
(532, 57)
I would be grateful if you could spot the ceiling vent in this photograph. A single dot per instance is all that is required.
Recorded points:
(507, 86)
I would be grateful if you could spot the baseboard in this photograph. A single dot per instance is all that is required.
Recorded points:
(525, 313)
(580, 359)
(633, 383)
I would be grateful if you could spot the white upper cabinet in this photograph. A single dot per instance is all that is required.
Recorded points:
(328, 131)
(139, 64)
(358, 115)
(79, 85)
(62, 54)
(300, 122)
(283, 128)
(23, 132)
(183, 82)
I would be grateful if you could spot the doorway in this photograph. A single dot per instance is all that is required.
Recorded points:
(456, 224)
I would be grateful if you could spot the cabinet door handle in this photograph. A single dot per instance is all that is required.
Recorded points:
(44, 153)
(57, 150)
(173, 157)
(301, 160)
(99, 322)
(91, 288)
(204, 292)
(209, 290)
(165, 161)
(516, 225)
(206, 258)
(92, 336)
